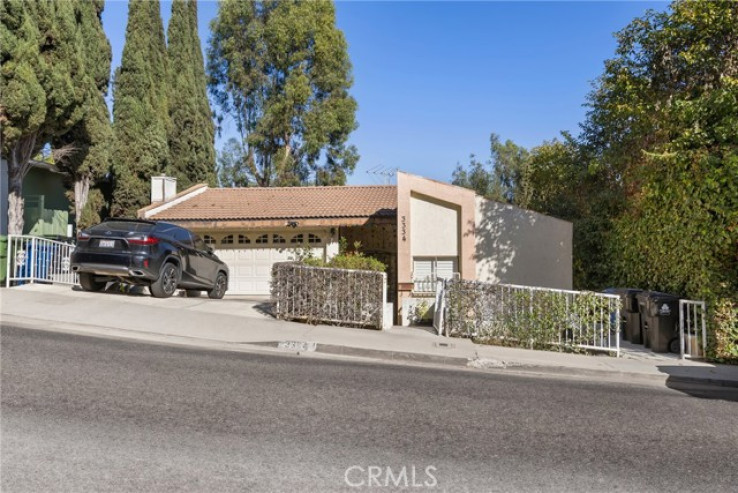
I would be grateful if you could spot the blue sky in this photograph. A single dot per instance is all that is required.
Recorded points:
(434, 79)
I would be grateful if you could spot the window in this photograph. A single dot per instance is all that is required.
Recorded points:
(426, 271)
(297, 239)
(278, 239)
(313, 238)
(243, 240)
(183, 236)
(199, 243)
(263, 239)
(228, 240)
(209, 240)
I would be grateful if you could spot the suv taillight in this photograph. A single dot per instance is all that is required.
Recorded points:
(145, 241)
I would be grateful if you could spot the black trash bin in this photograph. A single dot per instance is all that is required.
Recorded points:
(659, 319)
(630, 316)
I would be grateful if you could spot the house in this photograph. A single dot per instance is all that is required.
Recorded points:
(421, 229)
(46, 207)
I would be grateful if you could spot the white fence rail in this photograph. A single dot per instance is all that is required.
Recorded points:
(532, 316)
(692, 329)
(32, 259)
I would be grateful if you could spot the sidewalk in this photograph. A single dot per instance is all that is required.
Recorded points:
(239, 324)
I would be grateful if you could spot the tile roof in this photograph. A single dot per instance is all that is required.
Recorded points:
(284, 203)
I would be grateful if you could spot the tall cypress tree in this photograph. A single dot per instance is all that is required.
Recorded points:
(90, 139)
(191, 131)
(140, 109)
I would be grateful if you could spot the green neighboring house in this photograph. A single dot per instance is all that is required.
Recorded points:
(46, 211)
(46, 208)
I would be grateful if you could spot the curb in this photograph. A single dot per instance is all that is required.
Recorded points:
(396, 357)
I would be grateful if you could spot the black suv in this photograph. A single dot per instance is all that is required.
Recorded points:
(156, 254)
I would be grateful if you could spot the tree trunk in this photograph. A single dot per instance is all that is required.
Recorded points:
(81, 194)
(15, 205)
(18, 164)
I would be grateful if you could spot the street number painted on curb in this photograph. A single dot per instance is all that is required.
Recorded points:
(297, 346)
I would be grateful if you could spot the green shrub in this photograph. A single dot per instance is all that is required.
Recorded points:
(724, 325)
(346, 259)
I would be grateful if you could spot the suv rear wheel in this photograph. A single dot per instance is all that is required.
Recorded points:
(166, 285)
(89, 283)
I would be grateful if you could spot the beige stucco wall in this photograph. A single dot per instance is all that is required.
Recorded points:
(516, 246)
(434, 224)
(458, 198)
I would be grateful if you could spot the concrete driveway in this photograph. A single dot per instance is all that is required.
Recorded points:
(237, 305)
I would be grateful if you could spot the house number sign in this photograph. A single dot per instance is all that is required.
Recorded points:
(403, 229)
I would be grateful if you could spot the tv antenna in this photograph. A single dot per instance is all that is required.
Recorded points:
(383, 174)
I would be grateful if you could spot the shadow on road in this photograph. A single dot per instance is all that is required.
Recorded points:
(707, 382)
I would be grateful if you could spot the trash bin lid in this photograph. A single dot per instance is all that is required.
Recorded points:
(663, 297)
(662, 304)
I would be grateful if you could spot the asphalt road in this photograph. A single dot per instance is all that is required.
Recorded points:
(87, 414)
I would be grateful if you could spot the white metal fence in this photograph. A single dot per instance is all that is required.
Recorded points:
(532, 316)
(32, 259)
(692, 329)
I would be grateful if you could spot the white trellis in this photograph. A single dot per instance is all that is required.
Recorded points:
(328, 295)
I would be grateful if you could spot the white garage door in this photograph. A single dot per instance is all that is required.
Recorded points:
(251, 268)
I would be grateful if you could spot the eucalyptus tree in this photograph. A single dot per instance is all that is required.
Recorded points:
(281, 71)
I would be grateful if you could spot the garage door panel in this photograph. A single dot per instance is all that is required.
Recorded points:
(262, 254)
(251, 268)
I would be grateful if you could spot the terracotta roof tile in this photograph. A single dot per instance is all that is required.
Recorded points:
(285, 203)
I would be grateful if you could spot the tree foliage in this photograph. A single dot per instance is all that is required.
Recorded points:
(232, 170)
(191, 131)
(140, 109)
(281, 70)
(651, 183)
(663, 124)
(90, 139)
(43, 81)
(504, 177)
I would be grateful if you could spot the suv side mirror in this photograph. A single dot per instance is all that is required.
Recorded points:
(208, 249)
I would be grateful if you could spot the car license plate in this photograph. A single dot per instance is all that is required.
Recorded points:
(107, 243)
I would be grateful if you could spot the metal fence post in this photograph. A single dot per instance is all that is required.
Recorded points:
(11, 239)
(33, 259)
(617, 329)
(681, 329)
(704, 330)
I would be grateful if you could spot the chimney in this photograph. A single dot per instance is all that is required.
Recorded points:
(163, 188)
